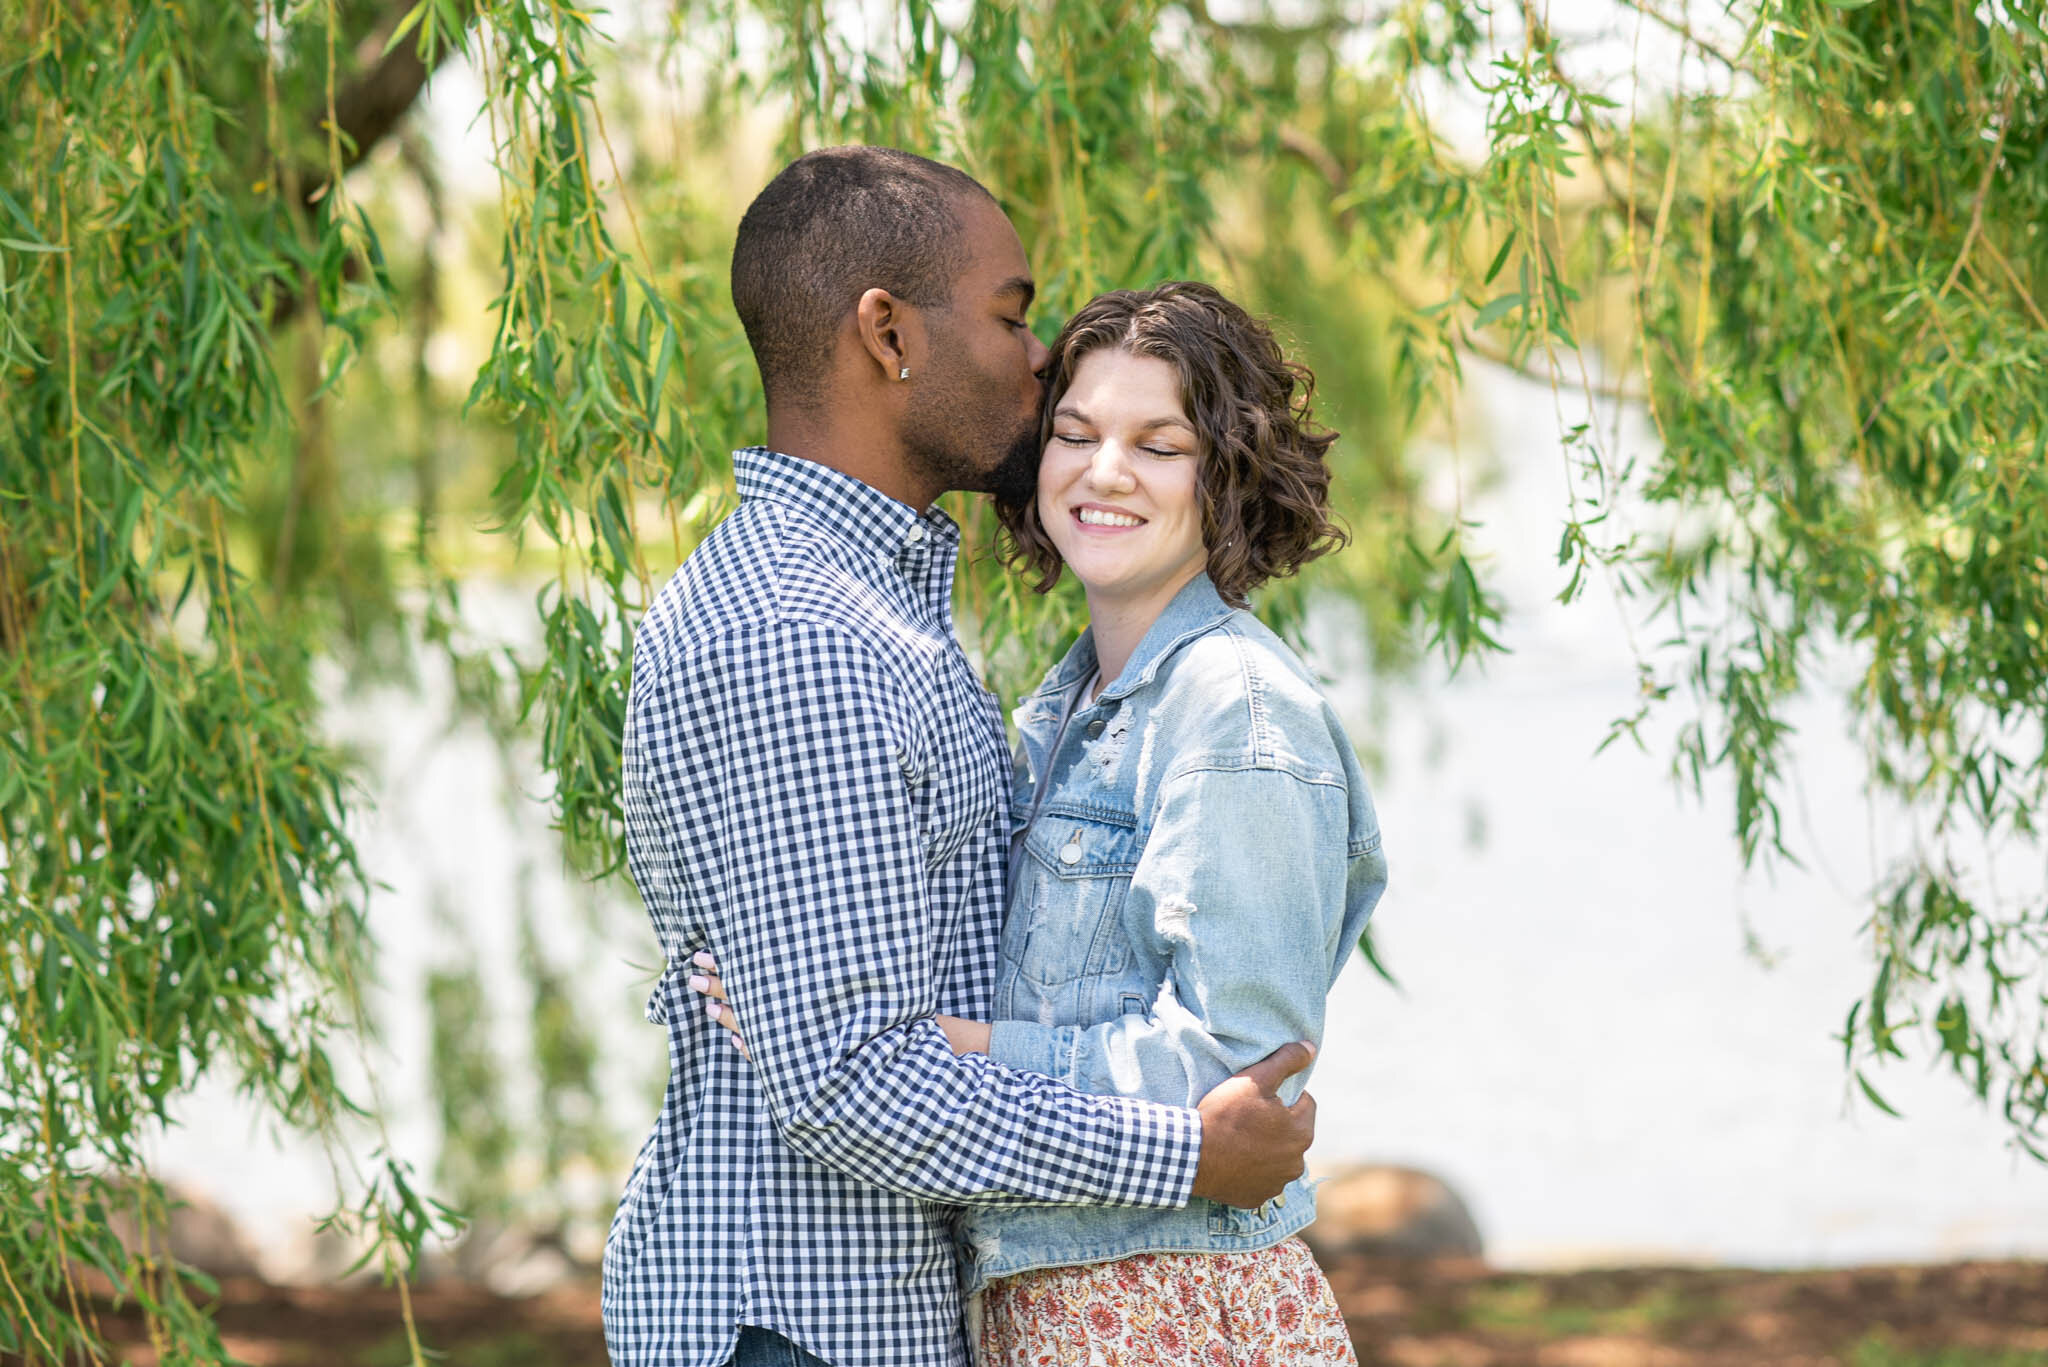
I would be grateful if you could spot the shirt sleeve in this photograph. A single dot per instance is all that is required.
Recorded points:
(1250, 916)
(776, 762)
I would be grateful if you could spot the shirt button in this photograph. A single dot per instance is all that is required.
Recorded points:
(1095, 728)
(916, 534)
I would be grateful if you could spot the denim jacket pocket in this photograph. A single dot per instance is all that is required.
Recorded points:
(1079, 867)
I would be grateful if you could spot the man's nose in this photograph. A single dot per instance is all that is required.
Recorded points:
(1035, 352)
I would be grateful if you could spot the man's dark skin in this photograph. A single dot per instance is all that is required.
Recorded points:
(965, 418)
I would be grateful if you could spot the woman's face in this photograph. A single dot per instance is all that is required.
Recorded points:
(1117, 485)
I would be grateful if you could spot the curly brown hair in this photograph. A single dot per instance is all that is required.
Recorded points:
(1263, 480)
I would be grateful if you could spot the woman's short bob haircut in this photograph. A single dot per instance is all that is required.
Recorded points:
(1264, 484)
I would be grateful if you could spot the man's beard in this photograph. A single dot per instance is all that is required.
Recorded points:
(933, 439)
(1015, 480)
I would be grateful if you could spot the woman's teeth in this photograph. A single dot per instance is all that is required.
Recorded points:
(1098, 517)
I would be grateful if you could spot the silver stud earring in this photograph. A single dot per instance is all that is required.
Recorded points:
(904, 373)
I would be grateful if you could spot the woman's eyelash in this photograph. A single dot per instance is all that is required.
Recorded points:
(1072, 439)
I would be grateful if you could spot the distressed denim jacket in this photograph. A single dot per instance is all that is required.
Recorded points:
(1195, 867)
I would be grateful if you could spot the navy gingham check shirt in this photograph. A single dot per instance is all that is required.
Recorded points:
(817, 790)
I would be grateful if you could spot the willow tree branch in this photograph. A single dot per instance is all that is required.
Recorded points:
(366, 110)
(1325, 26)
(1545, 42)
(1686, 31)
(1332, 172)
(370, 105)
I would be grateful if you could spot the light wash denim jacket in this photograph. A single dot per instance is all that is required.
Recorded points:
(1197, 871)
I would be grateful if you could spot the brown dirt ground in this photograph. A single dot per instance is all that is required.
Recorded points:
(1401, 1315)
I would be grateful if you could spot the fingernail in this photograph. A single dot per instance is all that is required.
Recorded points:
(702, 958)
(711, 1010)
(698, 982)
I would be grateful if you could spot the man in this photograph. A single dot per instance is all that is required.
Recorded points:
(816, 791)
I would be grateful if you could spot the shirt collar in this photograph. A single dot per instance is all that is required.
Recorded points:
(1194, 610)
(857, 512)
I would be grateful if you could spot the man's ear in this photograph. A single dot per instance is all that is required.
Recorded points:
(891, 332)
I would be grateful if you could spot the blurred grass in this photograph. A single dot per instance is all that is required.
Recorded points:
(1878, 1350)
(1536, 1309)
(519, 1348)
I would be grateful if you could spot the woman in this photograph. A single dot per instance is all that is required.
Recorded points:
(1196, 851)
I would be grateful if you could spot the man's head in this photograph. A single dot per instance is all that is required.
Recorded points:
(856, 264)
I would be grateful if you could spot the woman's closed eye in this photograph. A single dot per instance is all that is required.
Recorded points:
(1083, 439)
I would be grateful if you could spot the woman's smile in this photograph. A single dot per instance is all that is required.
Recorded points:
(1094, 515)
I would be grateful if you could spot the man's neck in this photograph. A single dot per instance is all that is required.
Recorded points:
(874, 460)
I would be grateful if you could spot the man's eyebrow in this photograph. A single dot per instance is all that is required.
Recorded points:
(1019, 284)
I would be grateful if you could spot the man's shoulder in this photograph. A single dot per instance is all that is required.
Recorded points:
(765, 570)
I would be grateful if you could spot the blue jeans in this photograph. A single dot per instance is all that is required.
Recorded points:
(765, 1348)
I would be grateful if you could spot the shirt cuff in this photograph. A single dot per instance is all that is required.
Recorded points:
(1165, 1151)
(1162, 1144)
(1047, 1049)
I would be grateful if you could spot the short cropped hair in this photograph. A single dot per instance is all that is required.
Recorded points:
(832, 225)
(1263, 481)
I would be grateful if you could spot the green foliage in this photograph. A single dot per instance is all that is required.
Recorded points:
(180, 892)
(468, 1092)
(1821, 269)
(527, 1175)
(1849, 362)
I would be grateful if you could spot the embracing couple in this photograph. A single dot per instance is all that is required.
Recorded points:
(942, 1023)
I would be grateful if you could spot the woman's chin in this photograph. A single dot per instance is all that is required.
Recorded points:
(1095, 577)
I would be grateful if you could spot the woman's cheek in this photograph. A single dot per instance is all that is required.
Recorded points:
(1050, 479)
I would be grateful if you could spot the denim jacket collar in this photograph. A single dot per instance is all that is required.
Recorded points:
(1194, 610)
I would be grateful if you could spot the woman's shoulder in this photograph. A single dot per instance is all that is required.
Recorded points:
(1239, 689)
(1244, 659)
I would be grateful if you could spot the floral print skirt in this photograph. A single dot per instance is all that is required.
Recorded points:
(1271, 1308)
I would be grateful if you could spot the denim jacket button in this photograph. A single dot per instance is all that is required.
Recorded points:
(1095, 728)
(1070, 853)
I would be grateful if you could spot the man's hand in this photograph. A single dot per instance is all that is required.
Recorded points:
(1252, 1145)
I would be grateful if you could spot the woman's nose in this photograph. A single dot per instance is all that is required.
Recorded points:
(1108, 469)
